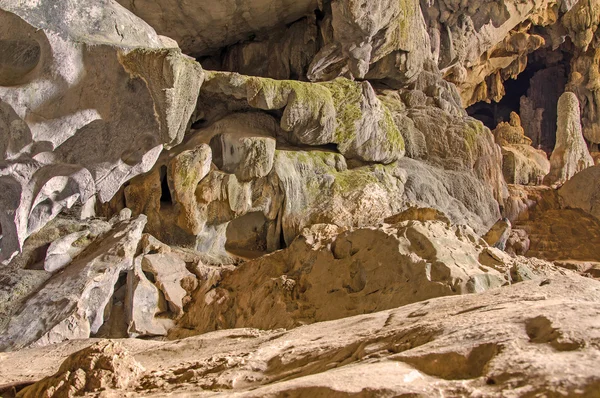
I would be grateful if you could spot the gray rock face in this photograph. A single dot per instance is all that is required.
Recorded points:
(71, 304)
(172, 278)
(62, 251)
(70, 130)
(570, 154)
(203, 26)
(389, 34)
(143, 304)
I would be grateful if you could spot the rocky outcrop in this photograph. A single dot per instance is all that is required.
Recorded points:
(70, 130)
(247, 181)
(583, 191)
(524, 165)
(102, 366)
(518, 338)
(511, 133)
(570, 154)
(72, 303)
(330, 273)
(318, 178)
(521, 163)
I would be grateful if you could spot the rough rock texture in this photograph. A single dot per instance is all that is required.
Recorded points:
(143, 305)
(323, 168)
(72, 303)
(583, 191)
(570, 154)
(26, 274)
(328, 273)
(511, 133)
(203, 26)
(69, 129)
(523, 164)
(101, 366)
(518, 339)
(498, 234)
(172, 278)
(249, 181)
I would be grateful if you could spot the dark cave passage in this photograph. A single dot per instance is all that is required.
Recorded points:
(165, 195)
(496, 112)
(530, 96)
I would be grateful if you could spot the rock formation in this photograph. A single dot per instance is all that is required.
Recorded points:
(583, 191)
(521, 163)
(570, 154)
(71, 130)
(518, 339)
(299, 198)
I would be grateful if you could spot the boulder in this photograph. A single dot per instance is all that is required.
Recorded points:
(143, 304)
(524, 165)
(62, 251)
(172, 278)
(518, 242)
(498, 234)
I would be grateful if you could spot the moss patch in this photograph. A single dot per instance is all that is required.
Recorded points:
(347, 98)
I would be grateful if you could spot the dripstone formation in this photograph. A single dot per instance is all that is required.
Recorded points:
(299, 198)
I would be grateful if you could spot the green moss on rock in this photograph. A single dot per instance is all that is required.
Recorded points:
(347, 98)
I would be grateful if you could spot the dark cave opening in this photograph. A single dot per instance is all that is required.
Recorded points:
(496, 112)
(165, 194)
(531, 97)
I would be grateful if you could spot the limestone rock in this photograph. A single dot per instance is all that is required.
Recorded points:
(415, 261)
(246, 156)
(518, 242)
(62, 251)
(445, 137)
(479, 344)
(172, 278)
(143, 304)
(202, 27)
(498, 234)
(341, 112)
(570, 154)
(104, 365)
(69, 129)
(583, 191)
(184, 173)
(25, 274)
(507, 133)
(525, 202)
(417, 214)
(524, 165)
(71, 304)
(281, 53)
(563, 234)
(389, 34)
